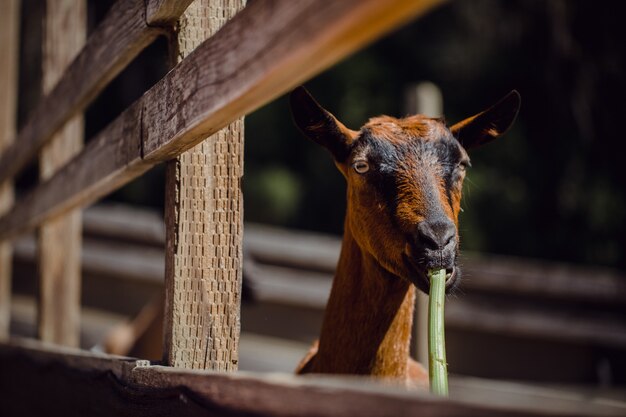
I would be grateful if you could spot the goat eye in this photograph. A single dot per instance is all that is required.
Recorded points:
(361, 167)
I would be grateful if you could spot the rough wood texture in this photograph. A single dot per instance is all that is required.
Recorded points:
(114, 44)
(271, 47)
(69, 382)
(107, 162)
(204, 215)
(9, 38)
(267, 49)
(65, 30)
(164, 12)
(129, 27)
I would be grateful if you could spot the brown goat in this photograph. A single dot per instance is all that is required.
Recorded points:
(403, 199)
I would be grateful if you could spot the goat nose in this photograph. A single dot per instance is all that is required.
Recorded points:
(437, 234)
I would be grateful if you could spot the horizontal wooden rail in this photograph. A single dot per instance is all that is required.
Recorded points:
(481, 273)
(122, 35)
(70, 382)
(267, 49)
(295, 269)
(589, 328)
(108, 161)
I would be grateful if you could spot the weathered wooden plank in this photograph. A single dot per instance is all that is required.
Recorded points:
(204, 216)
(488, 273)
(95, 323)
(64, 33)
(267, 49)
(119, 260)
(293, 248)
(261, 54)
(110, 160)
(69, 382)
(554, 280)
(9, 38)
(537, 321)
(299, 290)
(164, 12)
(114, 44)
(126, 223)
(300, 250)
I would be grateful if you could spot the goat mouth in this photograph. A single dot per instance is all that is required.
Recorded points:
(418, 276)
(452, 275)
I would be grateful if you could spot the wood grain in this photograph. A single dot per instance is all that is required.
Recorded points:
(69, 382)
(107, 162)
(9, 38)
(164, 12)
(204, 216)
(271, 47)
(114, 44)
(64, 33)
(267, 49)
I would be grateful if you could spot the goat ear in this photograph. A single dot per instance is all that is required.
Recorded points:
(319, 125)
(488, 125)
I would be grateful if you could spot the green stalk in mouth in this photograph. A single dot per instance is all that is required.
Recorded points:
(437, 366)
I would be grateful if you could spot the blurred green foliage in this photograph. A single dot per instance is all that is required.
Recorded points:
(554, 187)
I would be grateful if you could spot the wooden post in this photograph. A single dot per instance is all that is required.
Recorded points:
(203, 215)
(64, 33)
(423, 98)
(9, 38)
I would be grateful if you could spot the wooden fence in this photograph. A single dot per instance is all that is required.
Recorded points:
(191, 120)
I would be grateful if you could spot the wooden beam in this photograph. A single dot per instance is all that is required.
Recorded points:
(488, 273)
(267, 49)
(126, 223)
(114, 261)
(164, 12)
(484, 314)
(262, 53)
(293, 248)
(107, 162)
(71, 382)
(204, 219)
(552, 280)
(121, 36)
(9, 38)
(58, 318)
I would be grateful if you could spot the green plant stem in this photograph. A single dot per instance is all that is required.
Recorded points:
(437, 366)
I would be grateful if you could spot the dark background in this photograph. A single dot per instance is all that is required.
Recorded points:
(552, 188)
